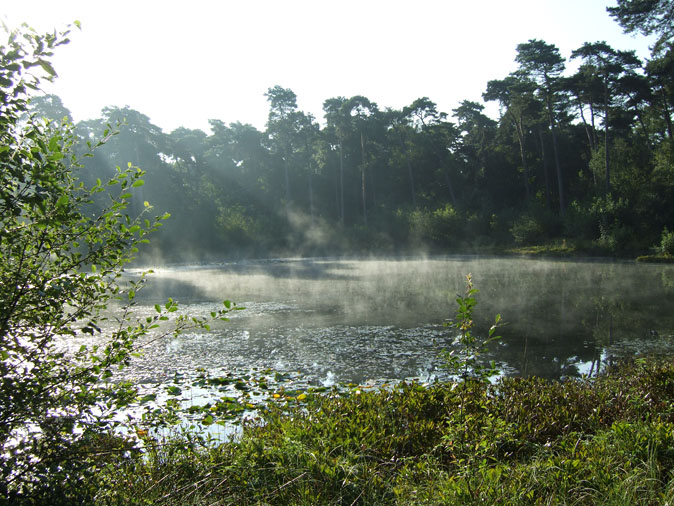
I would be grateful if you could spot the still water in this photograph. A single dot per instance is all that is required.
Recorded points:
(379, 320)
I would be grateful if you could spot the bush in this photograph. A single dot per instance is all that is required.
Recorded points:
(616, 232)
(59, 268)
(667, 243)
(60, 265)
(580, 223)
(440, 227)
(527, 230)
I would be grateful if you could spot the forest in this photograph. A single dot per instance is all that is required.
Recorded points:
(580, 163)
(582, 160)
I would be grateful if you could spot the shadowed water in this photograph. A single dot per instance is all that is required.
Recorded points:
(380, 320)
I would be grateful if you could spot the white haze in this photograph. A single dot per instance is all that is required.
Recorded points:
(383, 319)
(182, 63)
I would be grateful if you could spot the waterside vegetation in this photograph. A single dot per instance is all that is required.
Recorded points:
(71, 220)
(605, 440)
(608, 439)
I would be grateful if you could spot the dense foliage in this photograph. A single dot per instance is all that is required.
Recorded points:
(603, 441)
(63, 246)
(587, 157)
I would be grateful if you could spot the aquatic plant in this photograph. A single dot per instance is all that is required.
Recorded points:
(522, 441)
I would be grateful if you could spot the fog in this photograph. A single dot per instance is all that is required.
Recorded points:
(377, 320)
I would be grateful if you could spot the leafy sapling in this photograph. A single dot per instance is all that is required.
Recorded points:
(62, 262)
(466, 362)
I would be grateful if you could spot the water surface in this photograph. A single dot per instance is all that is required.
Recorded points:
(379, 320)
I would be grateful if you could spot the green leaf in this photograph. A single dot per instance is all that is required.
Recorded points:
(47, 67)
(61, 202)
(54, 144)
(147, 398)
(137, 183)
(173, 390)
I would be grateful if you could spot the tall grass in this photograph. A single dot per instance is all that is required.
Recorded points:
(609, 440)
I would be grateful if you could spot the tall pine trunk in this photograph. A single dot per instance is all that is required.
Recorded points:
(607, 167)
(341, 182)
(362, 178)
(555, 151)
(548, 191)
(520, 138)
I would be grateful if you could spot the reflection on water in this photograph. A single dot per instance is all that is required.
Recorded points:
(377, 320)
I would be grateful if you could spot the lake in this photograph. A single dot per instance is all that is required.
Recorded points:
(379, 320)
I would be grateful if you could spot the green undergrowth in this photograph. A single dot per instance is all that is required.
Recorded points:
(605, 440)
(556, 249)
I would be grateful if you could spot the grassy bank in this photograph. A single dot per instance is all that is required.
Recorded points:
(609, 440)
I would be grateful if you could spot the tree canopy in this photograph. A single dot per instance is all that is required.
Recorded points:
(570, 157)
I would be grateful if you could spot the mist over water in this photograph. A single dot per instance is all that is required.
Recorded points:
(379, 320)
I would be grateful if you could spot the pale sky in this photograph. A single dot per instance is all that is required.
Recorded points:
(184, 62)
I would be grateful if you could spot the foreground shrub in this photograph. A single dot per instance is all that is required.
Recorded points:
(521, 441)
(61, 263)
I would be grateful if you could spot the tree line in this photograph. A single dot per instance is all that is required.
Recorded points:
(70, 220)
(586, 158)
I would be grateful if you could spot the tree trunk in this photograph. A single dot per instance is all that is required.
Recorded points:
(607, 167)
(667, 115)
(594, 128)
(640, 119)
(287, 182)
(311, 199)
(362, 178)
(548, 191)
(452, 196)
(409, 169)
(411, 177)
(520, 138)
(341, 183)
(560, 182)
(311, 186)
(445, 171)
(590, 139)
